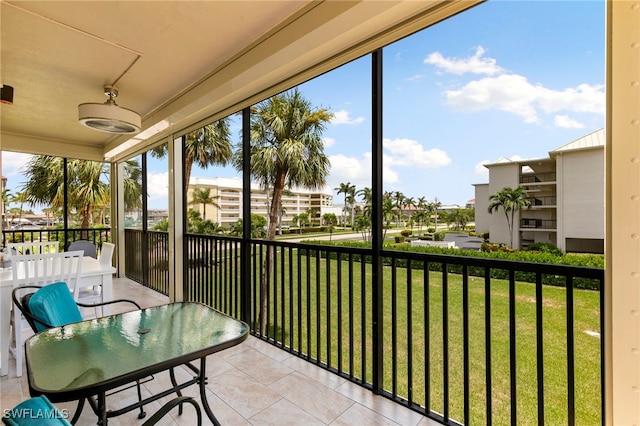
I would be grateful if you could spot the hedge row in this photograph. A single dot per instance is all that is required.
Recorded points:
(578, 260)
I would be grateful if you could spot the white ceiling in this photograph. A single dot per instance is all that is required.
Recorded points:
(174, 62)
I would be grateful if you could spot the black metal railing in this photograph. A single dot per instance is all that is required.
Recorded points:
(147, 258)
(465, 340)
(543, 201)
(537, 178)
(538, 224)
(65, 236)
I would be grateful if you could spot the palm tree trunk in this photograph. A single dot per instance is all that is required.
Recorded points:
(274, 208)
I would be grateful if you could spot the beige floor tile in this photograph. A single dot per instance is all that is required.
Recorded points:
(360, 415)
(284, 413)
(243, 393)
(260, 367)
(318, 400)
(379, 404)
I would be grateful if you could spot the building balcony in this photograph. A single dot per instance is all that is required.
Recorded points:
(543, 224)
(537, 178)
(543, 201)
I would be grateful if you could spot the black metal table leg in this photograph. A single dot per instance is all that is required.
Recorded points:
(102, 409)
(203, 392)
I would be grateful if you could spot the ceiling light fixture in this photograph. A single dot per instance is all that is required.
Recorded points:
(109, 117)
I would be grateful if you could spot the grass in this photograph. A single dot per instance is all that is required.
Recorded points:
(419, 311)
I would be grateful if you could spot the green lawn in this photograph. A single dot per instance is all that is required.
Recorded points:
(419, 328)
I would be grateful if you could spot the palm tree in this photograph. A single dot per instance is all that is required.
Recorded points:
(20, 198)
(347, 189)
(286, 151)
(87, 182)
(435, 205)
(203, 196)
(397, 198)
(210, 145)
(511, 200)
(422, 205)
(409, 203)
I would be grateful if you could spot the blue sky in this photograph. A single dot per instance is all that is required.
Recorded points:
(512, 79)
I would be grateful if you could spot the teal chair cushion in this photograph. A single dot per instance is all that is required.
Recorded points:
(38, 411)
(54, 305)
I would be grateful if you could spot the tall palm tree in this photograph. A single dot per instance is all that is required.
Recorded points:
(203, 196)
(210, 145)
(421, 205)
(398, 198)
(286, 151)
(347, 189)
(20, 198)
(87, 182)
(286, 148)
(510, 200)
(409, 203)
(435, 205)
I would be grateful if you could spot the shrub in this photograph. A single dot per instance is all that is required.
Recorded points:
(485, 236)
(398, 239)
(545, 248)
(405, 233)
(492, 247)
(431, 230)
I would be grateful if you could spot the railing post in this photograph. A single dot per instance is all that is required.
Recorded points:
(376, 221)
(245, 249)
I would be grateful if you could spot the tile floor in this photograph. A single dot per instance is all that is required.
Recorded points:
(253, 383)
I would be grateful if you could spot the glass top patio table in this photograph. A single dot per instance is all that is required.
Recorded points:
(91, 357)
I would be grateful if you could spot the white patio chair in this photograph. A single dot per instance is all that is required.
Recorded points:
(93, 294)
(33, 247)
(40, 269)
(106, 253)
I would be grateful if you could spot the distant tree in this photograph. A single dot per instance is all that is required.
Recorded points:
(348, 190)
(87, 185)
(363, 225)
(329, 219)
(258, 226)
(203, 196)
(510, 200)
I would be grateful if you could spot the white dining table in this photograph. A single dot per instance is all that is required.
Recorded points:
(93, 273)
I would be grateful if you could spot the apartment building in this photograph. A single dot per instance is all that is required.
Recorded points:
(566, 191)
(227, 195)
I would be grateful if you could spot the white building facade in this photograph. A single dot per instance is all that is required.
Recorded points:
(227, 195)
(567, 195)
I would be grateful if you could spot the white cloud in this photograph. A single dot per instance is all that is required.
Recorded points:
(566, 122)
(584, 98)
(515, 94)
(408, 152)
(475, 64)
(480, 170)
(342, 117)
(415, 77)
(14, 162)
(328, 141)
(13, 168)
(158, 186)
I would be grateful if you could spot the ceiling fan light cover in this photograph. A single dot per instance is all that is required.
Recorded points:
(109, 117)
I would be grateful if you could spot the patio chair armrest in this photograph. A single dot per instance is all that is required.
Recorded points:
(171, 405)
(110, 302)
(31, 319)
